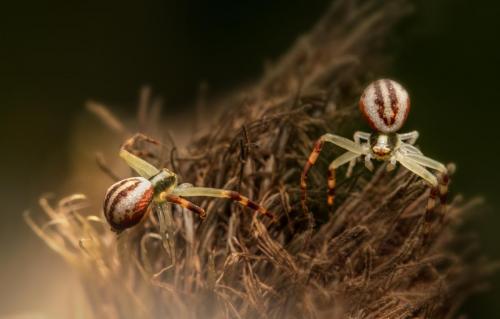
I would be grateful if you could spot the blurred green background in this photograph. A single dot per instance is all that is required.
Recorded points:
(55, 55)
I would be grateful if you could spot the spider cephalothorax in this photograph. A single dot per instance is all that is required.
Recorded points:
(128, 201)
(385, 104)
(165, 180)
(383, 145)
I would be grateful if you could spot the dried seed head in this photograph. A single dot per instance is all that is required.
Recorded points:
(385, 104)
(127, 201)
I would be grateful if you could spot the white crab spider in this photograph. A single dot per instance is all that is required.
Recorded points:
(127, 202)
(385, 104)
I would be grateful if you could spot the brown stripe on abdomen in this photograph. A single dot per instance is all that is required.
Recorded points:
(379, 101)
(145, 200)
(119, 197)
(111, 191)
(394, 101)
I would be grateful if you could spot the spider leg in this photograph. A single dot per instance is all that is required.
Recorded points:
(440, 191)
(392, 164)
(339, 161)
(411, 137)
(139, 165)
(443, 173)
(369, 163)
(358, 136)
(137, 139)
(416, 163)
(433, 221)
(222, 193)
(416, 168)
(434, 218)
(334, 139)
(409, 149)
(427, 162)
(186, 204)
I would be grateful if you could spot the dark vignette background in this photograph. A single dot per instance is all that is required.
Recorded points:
(55, 55)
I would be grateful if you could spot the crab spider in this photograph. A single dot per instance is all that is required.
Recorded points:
(385, 105)
(127, 201)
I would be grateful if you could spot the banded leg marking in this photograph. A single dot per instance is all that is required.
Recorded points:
(310, 162)
(431, 219)
(353, 148)
(245, 201)
(416, 163)
(331, 187)
(186, 204)
(440, 191)
(222, 193)
(347, 157)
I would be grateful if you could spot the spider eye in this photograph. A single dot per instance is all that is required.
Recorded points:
(385, 104)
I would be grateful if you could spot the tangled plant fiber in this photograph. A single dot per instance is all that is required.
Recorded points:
(376, 256)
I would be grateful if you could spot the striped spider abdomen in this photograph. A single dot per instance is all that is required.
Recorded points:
(127, 201)
(385, 105)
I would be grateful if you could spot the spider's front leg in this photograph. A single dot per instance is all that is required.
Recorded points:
(358, 137)
(318, 146)
(339, 161)
(137, 139)
(410, 137)
(139, 165)
(417, 163)
(392, 164)
(222, 193)
(368, 162)
(441, 189)
(183, 203)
